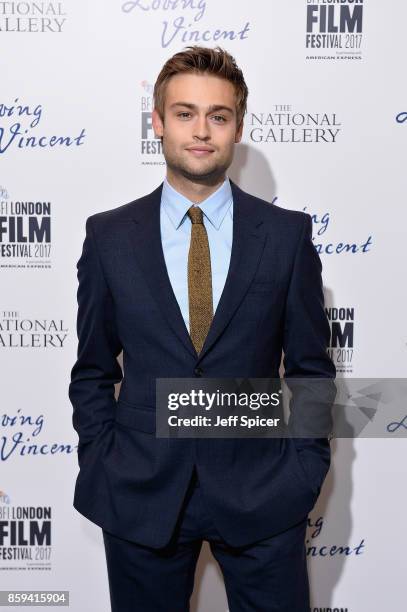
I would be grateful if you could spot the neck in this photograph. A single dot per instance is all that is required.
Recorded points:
(194, 191)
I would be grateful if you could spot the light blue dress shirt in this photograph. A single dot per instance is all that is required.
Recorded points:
(176, 236)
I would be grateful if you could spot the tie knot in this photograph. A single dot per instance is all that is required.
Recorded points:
(195, 214)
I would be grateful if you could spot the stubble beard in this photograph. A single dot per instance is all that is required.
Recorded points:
(208, 175)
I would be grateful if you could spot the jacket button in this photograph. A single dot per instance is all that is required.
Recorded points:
(198, 371)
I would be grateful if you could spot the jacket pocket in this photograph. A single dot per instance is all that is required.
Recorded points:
(135, 417)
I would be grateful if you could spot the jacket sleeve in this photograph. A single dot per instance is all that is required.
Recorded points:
(305, 341)
(306, 328)
(96, 370)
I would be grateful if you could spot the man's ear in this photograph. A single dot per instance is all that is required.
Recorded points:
(239, 132)
(158, 125)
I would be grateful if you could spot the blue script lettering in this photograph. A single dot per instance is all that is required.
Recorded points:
(328, 551)
(331, 248)
(197, 35)
(10, 421)
(18, 133)
(18, 446)
(319, 523)
(22, 141)
(395, 425)
(167, 5)
(324, 221)
(10, 111)
(343, 247)
(331, 551)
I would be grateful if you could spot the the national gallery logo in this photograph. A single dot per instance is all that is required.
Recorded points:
(341, 349)
(23, 332)
(334, 29)
(32, 17)
(285, 124)
(25, 233)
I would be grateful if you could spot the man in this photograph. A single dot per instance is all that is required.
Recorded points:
(198, 278)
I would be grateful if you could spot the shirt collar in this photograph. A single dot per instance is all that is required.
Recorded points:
(214, 207)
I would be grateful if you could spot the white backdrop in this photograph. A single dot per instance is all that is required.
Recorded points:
(325, 132)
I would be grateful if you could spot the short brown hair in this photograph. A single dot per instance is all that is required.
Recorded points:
(214, 61)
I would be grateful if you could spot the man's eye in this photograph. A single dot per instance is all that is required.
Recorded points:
(219, 118)
(183, 114)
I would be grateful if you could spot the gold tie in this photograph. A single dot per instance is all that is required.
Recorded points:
(199, 280)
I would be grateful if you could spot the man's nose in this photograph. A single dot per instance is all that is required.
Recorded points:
(201, 128)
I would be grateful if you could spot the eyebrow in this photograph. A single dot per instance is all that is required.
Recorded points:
(211, 108)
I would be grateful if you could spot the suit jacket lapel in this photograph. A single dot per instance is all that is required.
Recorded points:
(145, 235)
(247, 247)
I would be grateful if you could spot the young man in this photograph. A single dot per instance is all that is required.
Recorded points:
(197, 278)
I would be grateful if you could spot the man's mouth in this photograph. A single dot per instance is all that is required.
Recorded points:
(200, 151)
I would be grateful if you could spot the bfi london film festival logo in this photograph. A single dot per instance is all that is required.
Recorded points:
(284, 125)
(40, 17)
(334, 29)
(183, 22)
(342, 323)
(25, 536)
(17, 332)
(25, 233)
(150, 146)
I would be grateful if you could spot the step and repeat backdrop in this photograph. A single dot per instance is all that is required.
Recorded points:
(325, 133)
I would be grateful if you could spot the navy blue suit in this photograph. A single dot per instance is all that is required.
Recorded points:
(133, 484)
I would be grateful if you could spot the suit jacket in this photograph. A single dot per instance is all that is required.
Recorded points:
(132, 483)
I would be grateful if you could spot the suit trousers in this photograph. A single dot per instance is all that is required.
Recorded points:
(267, 576)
